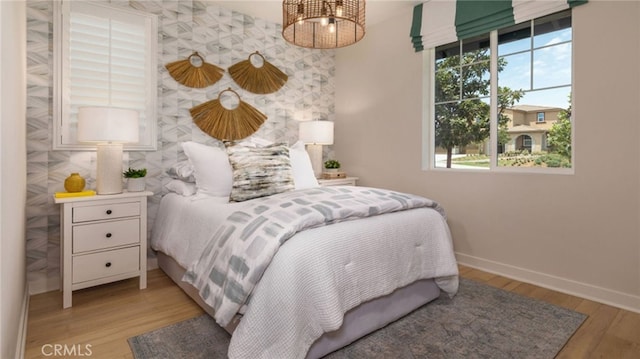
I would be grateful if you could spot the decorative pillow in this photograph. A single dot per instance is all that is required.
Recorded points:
(254, 141)
(303, 176)
(183, 171)
(302, 170)
(211, 169)
(259, 171)
(181, 187)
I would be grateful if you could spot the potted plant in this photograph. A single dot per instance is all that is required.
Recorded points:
(135, 179)
(331, 165)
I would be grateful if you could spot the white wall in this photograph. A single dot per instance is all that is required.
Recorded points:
(13, 181)
(577, 233)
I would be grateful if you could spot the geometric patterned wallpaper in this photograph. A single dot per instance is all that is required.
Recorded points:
(223, 37)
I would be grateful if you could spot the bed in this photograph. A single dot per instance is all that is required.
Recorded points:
(326, 284)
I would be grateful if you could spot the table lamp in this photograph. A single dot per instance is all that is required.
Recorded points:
(108, 128)
(315, 134)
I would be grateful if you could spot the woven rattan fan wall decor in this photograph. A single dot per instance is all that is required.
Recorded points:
(222, 123)
(195, 72)
(263, 79)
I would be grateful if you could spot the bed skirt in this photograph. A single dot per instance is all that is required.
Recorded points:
(358, 322)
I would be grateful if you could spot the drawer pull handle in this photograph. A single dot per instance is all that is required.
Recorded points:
(108, 235)
(108, 264)
(109, 211)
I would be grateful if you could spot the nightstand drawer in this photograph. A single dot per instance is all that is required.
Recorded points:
(347, 181)
(105, 264)
(105, 211)
(90, 237)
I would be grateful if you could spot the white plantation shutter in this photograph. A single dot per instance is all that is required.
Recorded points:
(108, 59)
(106, 62)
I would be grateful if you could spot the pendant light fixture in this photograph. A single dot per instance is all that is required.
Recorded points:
(323, 24)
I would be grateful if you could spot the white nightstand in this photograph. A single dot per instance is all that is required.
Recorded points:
(347, 181)
(103, 239)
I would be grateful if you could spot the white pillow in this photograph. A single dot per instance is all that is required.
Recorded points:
(303, 176)
(211, 168)
(182, 170)
(181, 187)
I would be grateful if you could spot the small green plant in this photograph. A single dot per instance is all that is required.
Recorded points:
(331, 164)
(554, 160)
(133, 173)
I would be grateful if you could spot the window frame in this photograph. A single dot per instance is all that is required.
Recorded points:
(540, 116)
(428, 118)
(61, 106)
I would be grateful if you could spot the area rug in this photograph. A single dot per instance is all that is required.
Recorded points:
(479, 322)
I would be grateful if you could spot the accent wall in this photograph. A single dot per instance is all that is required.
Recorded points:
(223, 37)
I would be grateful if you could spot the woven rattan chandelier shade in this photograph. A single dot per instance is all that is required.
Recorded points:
(322, 24)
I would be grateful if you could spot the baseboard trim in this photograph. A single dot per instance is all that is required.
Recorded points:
(22, 329)
(583, 290)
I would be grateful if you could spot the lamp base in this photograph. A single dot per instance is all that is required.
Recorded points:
(109, 171)
(315, 155)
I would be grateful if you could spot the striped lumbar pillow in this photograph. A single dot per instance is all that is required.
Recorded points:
(259, 171)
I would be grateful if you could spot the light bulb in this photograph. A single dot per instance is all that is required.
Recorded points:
(338, 8)
(332, 25)
(324, 20)
(300, 16)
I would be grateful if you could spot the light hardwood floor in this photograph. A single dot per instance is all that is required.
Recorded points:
(105, 316)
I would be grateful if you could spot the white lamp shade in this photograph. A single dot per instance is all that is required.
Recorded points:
(107, 124)
(316, 132)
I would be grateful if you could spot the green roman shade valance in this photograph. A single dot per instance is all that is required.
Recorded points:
(440, 22)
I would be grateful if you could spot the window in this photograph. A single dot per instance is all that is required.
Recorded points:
(525, 142)
(503, 100)
(104, 56)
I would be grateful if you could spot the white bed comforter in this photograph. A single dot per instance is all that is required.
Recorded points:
(317, 275)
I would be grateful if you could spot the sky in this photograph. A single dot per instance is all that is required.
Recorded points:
(551, 67)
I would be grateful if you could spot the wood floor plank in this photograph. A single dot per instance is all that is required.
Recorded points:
(478, 275)
(501, 282)
(590, 334)
(614, 347)
(106, 316)
(562, 300)
(625, 326)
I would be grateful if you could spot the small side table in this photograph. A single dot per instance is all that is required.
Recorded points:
(103, 240)
(347, 181)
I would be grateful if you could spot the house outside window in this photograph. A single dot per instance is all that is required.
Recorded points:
(499, 98)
